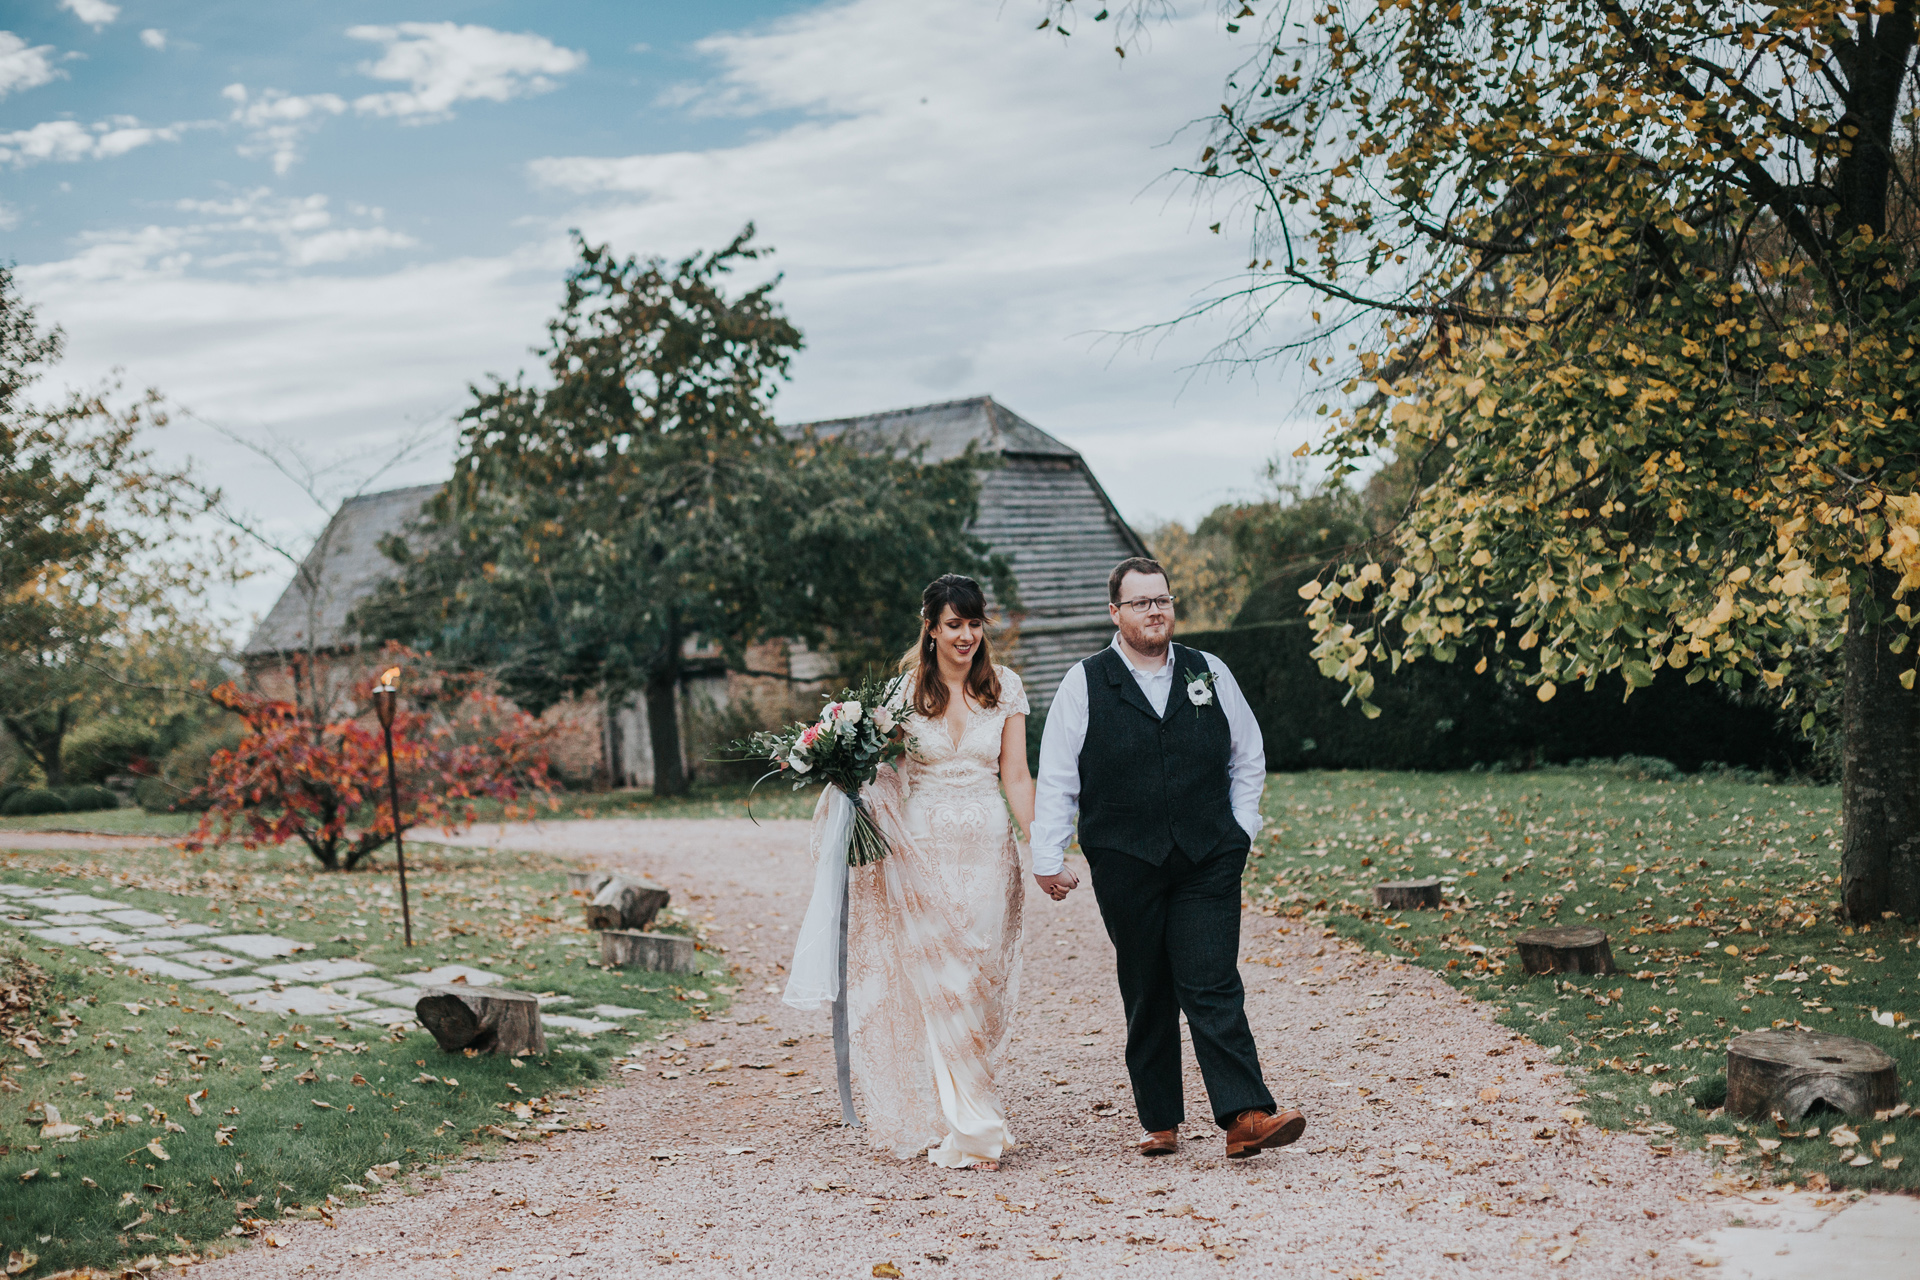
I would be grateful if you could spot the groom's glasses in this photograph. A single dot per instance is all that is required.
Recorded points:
(1148, 604)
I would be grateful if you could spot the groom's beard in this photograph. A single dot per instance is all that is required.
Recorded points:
(1147, 646)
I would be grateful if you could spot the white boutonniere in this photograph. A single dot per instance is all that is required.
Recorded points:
(1199, 689)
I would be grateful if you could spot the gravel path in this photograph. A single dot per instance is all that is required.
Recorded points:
(1411, 1165)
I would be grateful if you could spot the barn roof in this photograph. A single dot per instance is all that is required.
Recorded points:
(342, 568)
(1041, 508)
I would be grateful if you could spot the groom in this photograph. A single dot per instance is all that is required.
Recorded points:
(1155, 748)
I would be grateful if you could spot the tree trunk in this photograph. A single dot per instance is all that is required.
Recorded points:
(659, 952)
(1790, 1070)
(484, 1019)
(1880, 763)
(663, 720)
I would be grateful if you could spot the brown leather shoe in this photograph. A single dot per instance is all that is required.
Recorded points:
(1161, 1142)
(1254, 1131)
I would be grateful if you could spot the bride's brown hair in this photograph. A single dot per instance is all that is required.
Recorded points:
(963, 595)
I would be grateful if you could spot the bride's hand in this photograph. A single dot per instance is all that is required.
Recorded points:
(1058, 886)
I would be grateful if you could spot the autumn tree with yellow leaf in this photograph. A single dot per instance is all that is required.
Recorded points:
(1641, 283)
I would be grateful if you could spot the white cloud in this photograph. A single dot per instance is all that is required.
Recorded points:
(67, 140)
(967, 214)
(24, 66)
(445, 62)
(154, 38)
(960, 206)
(276, 122)
(9, 216)
(95, 13)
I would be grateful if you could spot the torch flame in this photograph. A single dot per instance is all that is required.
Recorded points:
(390, 678)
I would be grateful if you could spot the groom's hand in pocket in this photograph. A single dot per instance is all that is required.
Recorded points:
(1058, 886)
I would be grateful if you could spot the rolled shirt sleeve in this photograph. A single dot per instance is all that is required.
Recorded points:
(1247, 762)
(1057, 797)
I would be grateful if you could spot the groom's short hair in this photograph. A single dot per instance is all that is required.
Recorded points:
(1132, 564)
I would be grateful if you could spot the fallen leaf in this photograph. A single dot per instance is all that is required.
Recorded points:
(540, 1213)
(157, 1151)
(1489, 1094)
(1045, 1255)
(21, 1261)
(886, 1271)
(1561, 1254)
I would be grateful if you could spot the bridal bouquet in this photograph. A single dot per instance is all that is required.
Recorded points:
(855, 734)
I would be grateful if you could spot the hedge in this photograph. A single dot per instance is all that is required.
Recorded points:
(1436, 715)
(34, 800)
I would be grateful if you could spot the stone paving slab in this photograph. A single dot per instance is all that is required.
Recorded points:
(616, 1011)
(1806, 1235)
(152, 947)
(579, 1026)
(400, 997)
(261, 946)
(22, 891)
(65, 918)
(216, 961)
(362, 986)
(165, 968)
(300, 1000)
(383, 1017)
(179, 931)
(80, 935)
(78, 902)
(241, 982)
(316, 970)
(132, 916)
(448, 974)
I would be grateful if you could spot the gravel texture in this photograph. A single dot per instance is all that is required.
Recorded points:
(1410, 1167)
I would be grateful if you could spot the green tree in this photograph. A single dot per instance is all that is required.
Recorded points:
(1643, 277)
(645, 497)
(94, 581)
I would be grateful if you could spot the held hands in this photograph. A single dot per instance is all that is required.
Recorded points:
(1058, 886)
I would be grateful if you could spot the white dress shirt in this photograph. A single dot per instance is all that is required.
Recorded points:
(1057, 801)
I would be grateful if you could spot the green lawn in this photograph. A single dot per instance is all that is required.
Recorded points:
(261, 1116)
(108, 822)
(1718, 900)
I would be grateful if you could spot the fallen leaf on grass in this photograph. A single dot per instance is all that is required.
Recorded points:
(20, 1261)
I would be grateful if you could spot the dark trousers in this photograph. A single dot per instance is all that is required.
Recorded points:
(1176, 940)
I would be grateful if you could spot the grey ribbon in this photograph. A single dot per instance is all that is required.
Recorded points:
(842, 1050)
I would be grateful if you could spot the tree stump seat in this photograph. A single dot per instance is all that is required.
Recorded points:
(657, 952)
(1793, 1070)
(587, 882)
(1575, 948)
(485, 1019)
(623, 903)
(1407, 895)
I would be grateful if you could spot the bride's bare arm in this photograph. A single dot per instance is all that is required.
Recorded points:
(1015, 777)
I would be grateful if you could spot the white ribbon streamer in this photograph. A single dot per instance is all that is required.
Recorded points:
(813, 978)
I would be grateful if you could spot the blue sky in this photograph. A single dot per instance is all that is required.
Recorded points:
(315, 225)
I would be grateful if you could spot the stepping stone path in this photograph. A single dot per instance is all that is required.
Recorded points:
(256, 971)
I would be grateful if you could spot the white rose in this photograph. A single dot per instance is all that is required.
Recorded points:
(799, 763)
(883, 719)
(849, 712)
(1199, 694)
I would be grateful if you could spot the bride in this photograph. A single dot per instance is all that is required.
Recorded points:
(934, 930)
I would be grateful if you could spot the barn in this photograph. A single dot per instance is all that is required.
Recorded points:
(1040, 506)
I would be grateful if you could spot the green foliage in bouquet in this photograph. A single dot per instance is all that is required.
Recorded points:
(845, 747)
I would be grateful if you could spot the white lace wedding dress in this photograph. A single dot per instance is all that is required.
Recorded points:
(934, 943)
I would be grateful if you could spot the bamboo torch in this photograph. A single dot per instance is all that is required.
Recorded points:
(385, 696)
